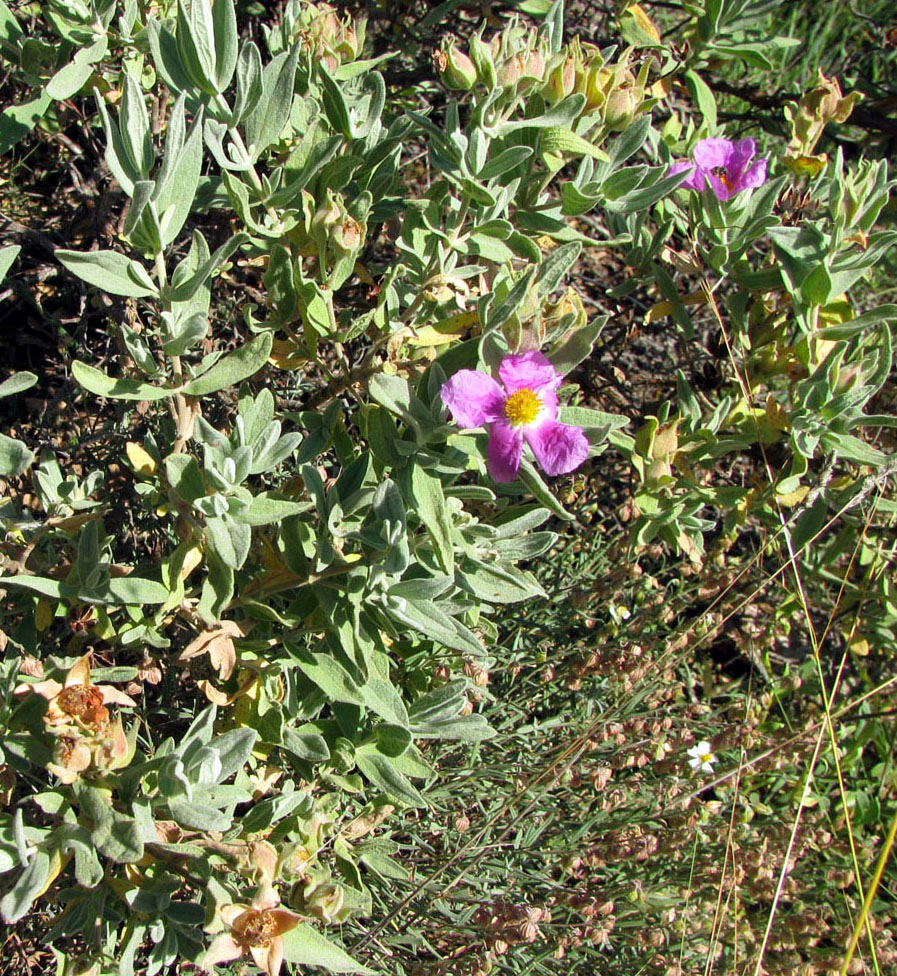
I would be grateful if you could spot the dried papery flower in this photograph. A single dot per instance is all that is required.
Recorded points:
(31, 667)
(78, 717)
(256, 929)
(77, 702)
(71, 757)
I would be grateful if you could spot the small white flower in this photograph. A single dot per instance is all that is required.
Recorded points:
(702, 757)
(619, 613)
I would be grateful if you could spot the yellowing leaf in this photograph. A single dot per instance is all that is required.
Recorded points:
(43, 614)
(658, 311)
(859, 646)
(791, 498)
(140, 460)
(288, 354)
(58, 861)
(638, 28)
(663, 308)
(192, 559)
(806, 165)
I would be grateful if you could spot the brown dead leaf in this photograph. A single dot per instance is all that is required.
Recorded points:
(218, 643)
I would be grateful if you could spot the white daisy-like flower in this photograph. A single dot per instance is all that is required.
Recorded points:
(619, 613)
(702, 757)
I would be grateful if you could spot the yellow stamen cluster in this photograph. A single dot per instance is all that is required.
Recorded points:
(522, 407)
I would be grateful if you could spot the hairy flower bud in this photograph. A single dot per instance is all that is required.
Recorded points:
(455, 68)
(481, 56)
(621, 106)
(510, 71)
(325, 902)
(561, 80)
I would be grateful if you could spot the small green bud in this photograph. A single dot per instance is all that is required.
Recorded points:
(455, 68)
(481, 55)
(325, 902)
(561, 80)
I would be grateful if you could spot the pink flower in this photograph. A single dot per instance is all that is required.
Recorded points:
(524, 410)
(723, 165)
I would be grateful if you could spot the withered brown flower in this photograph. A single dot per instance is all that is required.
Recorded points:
(257, 928)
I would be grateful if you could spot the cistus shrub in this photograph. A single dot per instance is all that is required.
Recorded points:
(323, 287)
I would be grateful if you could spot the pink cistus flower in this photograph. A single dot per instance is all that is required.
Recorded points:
(726, 167)
(523, 408)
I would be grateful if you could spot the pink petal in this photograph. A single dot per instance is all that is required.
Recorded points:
(721, 191)
(755, 176)
(529, 370)
(222, 949)
(695, 181)
(48, 689)
(473, 398)
(285, 920)
(558, 447)
(742, 154)
(275, 956)
(710, 153)
(505, 449)
(230, 913)
(265, 897)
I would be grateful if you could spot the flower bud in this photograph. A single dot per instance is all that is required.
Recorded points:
(481, 56)
(534, 65)
(561, 80)
(325, 902)
(347, 235)
(455, 68)
(620, 108)
(510, 72)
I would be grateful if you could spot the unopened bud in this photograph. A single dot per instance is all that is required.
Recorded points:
(325, 902)
(510, 72)
(455, 68)
(561, 81)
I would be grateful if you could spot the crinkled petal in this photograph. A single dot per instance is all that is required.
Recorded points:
(695, 181)
(284, 920)
(473, 398)
(720, 190)
(529, 370)
(505, 450)
(754, 176)
(740, 158)
(548, 400)
(710, 153)
(222, 949)
(558, 447)
(230, 913)
(261, 956)
(112, 696)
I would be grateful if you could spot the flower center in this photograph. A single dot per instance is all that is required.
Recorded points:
(723, 175)
(522, 407)
(76, 700)
(256, 928)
